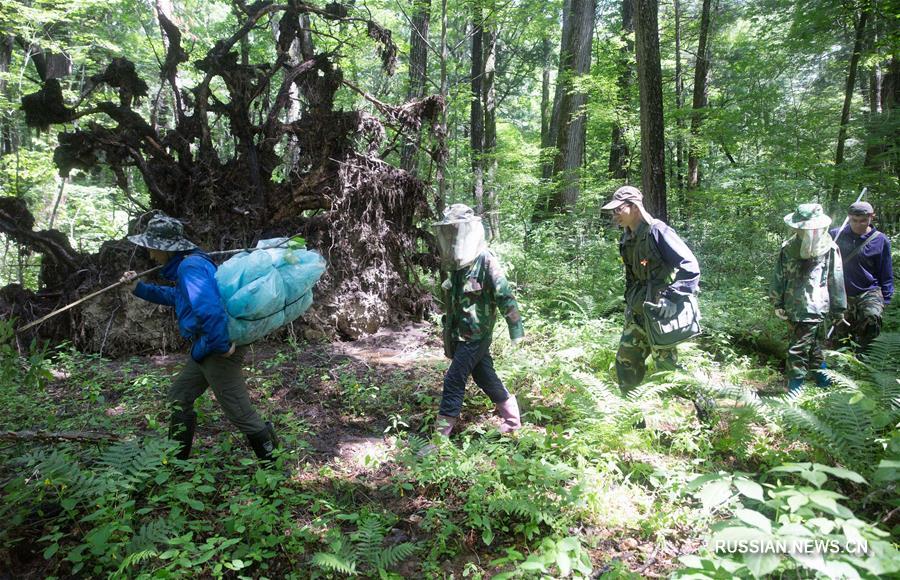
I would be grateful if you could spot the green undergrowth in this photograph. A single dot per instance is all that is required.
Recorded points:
(579, 491)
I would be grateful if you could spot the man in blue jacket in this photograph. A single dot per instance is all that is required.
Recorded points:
(214, 361)
(868, 274)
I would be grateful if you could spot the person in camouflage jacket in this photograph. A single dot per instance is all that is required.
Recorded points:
(475, 289)
(807, 285)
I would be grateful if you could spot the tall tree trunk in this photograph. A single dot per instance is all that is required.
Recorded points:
(441, 176)
(6, 129)
(549, 122)
(418, 71)
(574, 61)
(619, 153)
(701, 76)
(476, 112)
(870, 86)
(546, 105)
(834, 198)
(559, 90)
(653, 154)
(490, 128)
(890, 96)
(874, 140)
(679, 105)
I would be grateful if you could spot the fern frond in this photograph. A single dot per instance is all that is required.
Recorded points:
(151, 535)
(652, 390)
(334, 563)
(605, 395)
(136, 558)
(132, 464)
(795, 417)
(852, 428)
(885, 389)
(883, 355)
(368, 538)
(393, 555)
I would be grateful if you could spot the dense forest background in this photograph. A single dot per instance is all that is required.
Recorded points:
(356, 124)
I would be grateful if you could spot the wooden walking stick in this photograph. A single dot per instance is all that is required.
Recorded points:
(141, 275)
(34, 323)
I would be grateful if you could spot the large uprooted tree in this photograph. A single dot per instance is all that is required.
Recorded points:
(309, 168)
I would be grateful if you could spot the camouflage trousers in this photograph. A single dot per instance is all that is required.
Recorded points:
(805, 350)
(864, 314)
(634, 348)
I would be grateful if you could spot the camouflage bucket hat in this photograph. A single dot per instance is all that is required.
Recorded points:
(808, 216)
(164, 233)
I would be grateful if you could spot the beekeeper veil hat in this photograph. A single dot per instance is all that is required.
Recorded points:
(460, 236)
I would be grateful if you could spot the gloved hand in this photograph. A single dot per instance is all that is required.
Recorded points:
(129, 279)
(780, 313)
(667, 308)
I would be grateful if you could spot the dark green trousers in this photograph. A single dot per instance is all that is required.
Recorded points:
(631, 358)
(805, 350)
(226, 378)
(864, 313)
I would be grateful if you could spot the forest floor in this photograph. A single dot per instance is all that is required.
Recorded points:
(353, 416)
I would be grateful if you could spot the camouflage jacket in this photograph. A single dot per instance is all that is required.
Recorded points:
(808, 290)
(657, 263)
(471, 297)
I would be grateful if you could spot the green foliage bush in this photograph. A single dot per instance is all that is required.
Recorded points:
(784, 528)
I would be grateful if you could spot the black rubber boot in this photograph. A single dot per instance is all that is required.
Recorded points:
(705, 407)
(264, 442)
(181, 429)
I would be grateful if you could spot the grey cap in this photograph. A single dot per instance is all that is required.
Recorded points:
(164, 233)
(625, 194)
(861, 208)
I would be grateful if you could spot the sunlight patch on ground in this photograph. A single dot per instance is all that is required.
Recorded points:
(614, 505)
(413, 344)
(363, 452)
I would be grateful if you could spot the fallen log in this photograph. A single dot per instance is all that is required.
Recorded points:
(58, 436)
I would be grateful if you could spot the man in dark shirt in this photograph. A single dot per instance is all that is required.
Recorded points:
(658, 267)
(868, 274)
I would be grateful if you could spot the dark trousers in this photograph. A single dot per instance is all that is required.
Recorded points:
(470, 358)
(864, 314)
(805, 351)
(226, 378)
(631, 358)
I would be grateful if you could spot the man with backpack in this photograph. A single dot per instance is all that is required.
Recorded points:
(214, 360)
(868, 274)
(660, 270)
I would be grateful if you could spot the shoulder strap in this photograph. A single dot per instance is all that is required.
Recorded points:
(861, 247)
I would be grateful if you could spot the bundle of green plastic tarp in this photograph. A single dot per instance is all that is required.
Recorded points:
(267, 288)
